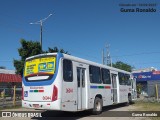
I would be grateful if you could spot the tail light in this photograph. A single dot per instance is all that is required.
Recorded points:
(55, 93)
(22, 94)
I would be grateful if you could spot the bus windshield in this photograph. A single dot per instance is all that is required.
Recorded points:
(41, 68)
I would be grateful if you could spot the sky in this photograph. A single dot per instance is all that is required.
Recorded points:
(83, 28)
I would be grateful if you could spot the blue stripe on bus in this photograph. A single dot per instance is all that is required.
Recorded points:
(93, 86)
(31, 91)
(45, 82)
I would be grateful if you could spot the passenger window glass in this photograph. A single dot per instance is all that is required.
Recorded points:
(94, 73)
(78, 77)
(121, 78)
(124, 79)
(106, 76)
(67, 70)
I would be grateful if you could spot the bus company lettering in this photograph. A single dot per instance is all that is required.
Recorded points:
(69, 90)
(123, 90)
(36, 87)
(144, 76)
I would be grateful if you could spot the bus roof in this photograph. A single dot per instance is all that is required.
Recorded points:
(93, 63)
(80, 60)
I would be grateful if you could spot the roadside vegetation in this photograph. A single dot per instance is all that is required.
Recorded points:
(10, 107)
(148, 106)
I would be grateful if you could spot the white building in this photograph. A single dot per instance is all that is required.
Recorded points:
(7, 71)
(144, 70)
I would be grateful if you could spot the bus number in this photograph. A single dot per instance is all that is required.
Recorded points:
(46, 97)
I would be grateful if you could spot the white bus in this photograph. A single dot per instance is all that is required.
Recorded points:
(56, 81)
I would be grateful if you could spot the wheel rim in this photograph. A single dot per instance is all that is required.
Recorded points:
(98, 106)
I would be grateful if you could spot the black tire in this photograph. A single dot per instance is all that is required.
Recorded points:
(130, 99)
(97, 106)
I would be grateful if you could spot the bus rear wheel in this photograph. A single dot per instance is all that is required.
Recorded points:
(97, 106)
(130, 99)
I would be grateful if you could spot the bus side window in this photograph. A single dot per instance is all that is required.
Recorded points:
(94, 73)
(106, 76)
(128, 80)
(67, 70)
(121, 78)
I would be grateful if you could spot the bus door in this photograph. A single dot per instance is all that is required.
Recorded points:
(69, 91)
(114, 88)
(81, 87)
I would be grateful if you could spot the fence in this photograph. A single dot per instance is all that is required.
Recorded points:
(153, 88)
(152, 92)
(10, 97)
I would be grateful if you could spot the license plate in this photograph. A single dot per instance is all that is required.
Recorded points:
(36, 105)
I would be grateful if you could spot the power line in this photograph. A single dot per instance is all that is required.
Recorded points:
(154, 62)
(135, 54)
(16, 25)
(6, 60)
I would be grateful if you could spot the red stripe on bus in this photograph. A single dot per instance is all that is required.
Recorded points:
(40, 90)
(108, 87)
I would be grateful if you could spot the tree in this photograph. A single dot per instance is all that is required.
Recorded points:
(139, 89)
(2, 67)
(123, 66)
(55, 49)
(30, 48)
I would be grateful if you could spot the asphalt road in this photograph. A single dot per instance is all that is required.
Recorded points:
(109, 113)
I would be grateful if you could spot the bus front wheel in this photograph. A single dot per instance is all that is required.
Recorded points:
(97, 109)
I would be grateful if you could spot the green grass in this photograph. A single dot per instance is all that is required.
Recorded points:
(148, 106)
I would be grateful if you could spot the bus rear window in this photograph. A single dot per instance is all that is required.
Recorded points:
(41, 68)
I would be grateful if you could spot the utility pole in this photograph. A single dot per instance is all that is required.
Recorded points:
(41, 28)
